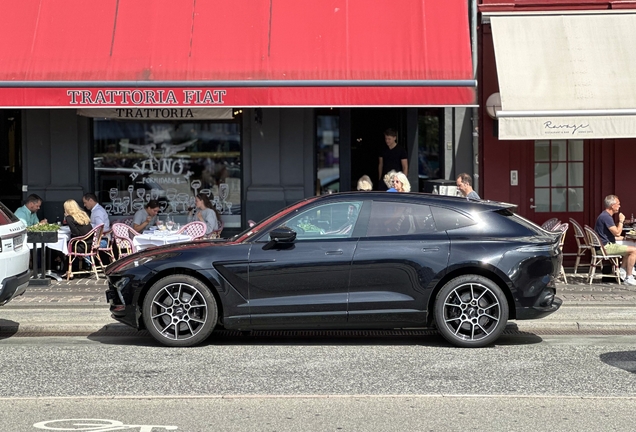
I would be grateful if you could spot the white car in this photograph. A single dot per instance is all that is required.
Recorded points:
(14, 256)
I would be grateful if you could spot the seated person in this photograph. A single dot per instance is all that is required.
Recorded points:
(98, 214)
(609, 233)
(146, 217)
(365, 184)
(388, 180)
(78, 222)
(205, 212)
(28, 213)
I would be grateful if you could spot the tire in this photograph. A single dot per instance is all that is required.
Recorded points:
(179, 311)
(471, 311)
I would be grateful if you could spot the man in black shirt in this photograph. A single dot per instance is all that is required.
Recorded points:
(393, 157)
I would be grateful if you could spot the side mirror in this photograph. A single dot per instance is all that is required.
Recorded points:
(282, 235)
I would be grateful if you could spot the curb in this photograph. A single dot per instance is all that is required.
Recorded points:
(122, 330)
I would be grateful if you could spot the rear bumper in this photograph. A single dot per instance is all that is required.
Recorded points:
(546, 304)
(14, 286)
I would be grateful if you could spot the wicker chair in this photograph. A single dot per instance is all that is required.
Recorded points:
(123, 236)
(550, 224)
(581, 244)
(107, 250)
(217, 232)
(194, 229)
(86, 246)
(563, 228)
(599, 256)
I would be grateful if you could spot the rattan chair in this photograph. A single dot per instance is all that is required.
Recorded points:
(123, 236)
(581, 244)
(599, 256)
(107, 250)
(217, 232)
(86, 246)
(550, 224)
(195, 230)
(563, 228)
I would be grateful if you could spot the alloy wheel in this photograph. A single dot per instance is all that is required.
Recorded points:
(179, 311)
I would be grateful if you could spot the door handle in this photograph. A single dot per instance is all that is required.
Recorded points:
(334, 252)
(433, 249)
(533, 206)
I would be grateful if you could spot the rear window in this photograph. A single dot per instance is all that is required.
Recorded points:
(447, 219)
(7, 216)
(529, 225)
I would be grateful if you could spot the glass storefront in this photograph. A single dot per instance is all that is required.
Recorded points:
(328, 153)
(136, 161)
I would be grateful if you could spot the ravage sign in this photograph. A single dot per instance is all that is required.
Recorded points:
(146, 97)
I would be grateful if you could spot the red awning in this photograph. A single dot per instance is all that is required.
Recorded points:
(69, 53)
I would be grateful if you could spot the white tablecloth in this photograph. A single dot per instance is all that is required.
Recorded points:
(144, 241)
(63, 236)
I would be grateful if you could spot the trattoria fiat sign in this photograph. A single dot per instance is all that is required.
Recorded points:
(210, 97)
(146, 97)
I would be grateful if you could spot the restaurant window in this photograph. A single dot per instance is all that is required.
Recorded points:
(136, 161)
(429, 159)
(558, 176)
(328, 153)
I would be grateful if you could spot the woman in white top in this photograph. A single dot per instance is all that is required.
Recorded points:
(206, 213)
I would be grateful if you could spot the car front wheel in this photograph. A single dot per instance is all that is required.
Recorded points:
(179, 311)
(471, 311)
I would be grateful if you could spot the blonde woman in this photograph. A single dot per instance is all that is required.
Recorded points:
(388, 180)
(365, 184)
(401, 183)
(77, 220)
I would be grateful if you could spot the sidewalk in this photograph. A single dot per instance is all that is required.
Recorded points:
(88, 292)
(79, 308)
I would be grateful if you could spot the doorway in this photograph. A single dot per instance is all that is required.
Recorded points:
(367, 139)
(11, 158)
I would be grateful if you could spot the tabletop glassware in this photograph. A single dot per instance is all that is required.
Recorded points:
(169, 223)
(159, 224)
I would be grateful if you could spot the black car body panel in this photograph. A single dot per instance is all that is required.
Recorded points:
(348, 262)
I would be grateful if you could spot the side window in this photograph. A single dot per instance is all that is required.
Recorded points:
(447, 219)
(397, 218)
(333, 220)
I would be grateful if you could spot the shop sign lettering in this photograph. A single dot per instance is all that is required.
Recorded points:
(105, 97)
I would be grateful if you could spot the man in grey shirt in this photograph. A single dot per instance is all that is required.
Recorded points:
(146, 217)
(98, 214)
(465, 186)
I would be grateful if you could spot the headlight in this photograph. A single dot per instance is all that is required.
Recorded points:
(121, 283)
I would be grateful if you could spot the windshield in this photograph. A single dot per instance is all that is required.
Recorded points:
(6, 216)
(252, 231)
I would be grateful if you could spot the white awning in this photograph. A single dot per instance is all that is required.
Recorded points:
(566, 75)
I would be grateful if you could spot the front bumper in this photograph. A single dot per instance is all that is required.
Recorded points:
(14, 286)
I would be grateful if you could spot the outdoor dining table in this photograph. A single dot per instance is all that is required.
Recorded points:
(39, 278)
(157, 238)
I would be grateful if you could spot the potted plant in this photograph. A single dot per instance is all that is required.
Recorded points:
(42, 233)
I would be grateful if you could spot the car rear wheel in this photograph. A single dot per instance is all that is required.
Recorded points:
(471, 311)
(179, 311)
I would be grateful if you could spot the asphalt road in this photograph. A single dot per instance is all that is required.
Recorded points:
(319, 383)
(572, 371)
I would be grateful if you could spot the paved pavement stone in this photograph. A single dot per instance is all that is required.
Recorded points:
(90, 292)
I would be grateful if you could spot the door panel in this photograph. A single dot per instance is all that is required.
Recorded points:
(396, 265)
(305, 283)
